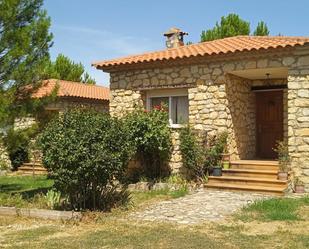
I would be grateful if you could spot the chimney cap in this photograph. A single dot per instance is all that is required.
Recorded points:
(174, 30)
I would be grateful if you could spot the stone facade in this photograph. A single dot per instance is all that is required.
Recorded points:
(62, 104)
(219, 100)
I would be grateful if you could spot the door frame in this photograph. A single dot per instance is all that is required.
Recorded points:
(257, 117)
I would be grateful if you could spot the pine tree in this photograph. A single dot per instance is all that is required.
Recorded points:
(63, 68)
(261, 29)
(231, 25)
(24, 50)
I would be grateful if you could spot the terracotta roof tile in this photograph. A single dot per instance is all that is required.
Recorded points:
(72, 89)
(216, 47)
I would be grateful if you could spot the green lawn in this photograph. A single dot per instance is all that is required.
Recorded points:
(24, 191)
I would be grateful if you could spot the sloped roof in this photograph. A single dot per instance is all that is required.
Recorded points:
(72, 89)
(216, 47)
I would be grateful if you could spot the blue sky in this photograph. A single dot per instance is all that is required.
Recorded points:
(93, 30)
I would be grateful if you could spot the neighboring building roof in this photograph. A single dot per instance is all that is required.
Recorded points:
(72, 89)
(216, 47)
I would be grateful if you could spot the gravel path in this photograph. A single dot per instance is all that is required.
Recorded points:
(203, 205)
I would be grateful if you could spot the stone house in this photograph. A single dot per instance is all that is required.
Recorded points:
(68, 95)
(256, 88)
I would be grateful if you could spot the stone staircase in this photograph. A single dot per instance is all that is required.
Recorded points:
(32, 168)
(250, 175)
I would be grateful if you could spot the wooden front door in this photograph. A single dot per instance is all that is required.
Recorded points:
(269, 122)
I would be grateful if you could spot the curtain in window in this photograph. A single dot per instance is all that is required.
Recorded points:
(180, 110)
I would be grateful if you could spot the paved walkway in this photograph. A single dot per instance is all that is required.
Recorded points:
(203, 205)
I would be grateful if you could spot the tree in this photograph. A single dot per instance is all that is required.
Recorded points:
(261, 29)
(231, 25)
(65, 69)
(24, 49)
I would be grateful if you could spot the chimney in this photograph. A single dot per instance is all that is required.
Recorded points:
(174, 38)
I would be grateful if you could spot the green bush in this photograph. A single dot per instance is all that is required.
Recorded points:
(86, 153)
(215, 147)
(200, 155)
(17, 144)
(151, 139)
(192, 153)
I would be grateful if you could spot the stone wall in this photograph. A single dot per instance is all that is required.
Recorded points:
(298, 118)
(219, 101)
(62, 104)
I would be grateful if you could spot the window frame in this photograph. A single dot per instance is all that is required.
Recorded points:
(167, 93)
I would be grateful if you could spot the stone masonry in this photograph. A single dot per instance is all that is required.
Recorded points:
(219, 101)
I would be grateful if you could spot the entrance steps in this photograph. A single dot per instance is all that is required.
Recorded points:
(32, 168)
(250, 175)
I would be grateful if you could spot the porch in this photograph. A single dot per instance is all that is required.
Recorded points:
(258, 108)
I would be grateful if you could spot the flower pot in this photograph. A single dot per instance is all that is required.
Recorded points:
(217, 171)
(225, 157)
(299, 189)
(283, 176)
(226, 165)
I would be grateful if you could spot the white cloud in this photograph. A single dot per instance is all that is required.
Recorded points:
(86, 45)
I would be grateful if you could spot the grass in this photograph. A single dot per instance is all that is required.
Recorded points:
(29, 191)
(24, 191)
(109, 232)
(273, 223)
(281, 209)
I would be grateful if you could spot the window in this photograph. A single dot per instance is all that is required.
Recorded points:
(177, 104)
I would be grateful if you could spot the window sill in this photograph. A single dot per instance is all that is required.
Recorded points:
(177, 126)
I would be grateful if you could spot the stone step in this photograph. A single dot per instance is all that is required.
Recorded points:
(35, 164)
(31, 169)
(28, 168)
(254, 164)
(279, 191)
(250, 181)
(255, 173)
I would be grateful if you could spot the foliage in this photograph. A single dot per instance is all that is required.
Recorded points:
(151, 139)
(298, 182)
(53, 199)
(215, 147)
(85, 152)
(192, 153)
(65, 69)
(24, 49)
(261, 29)
(17, 144)
(201, 156)
(232, 25)
(282, 149)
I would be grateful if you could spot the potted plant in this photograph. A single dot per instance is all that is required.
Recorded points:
(284, 160)
(214, 151)
(299, 186)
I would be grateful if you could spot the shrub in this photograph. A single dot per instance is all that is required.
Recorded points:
(192, 153)
(17, 144)
(151, 139)
(200, 155)
(215, 147)
(86, 153)
(283, 155)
